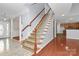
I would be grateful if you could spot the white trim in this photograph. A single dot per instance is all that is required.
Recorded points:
(20, 28)
(11, 28)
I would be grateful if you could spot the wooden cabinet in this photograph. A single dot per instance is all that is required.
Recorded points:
(71, 25)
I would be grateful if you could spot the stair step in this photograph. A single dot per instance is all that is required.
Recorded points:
(36, 33)
(33, 37)
(33, 41)
(38, 37)
(27, 48)
(42, 33)
(46, 26)
(30, 46)
(49, 22)
(42, 36)
(40, 30)
(45, 30)
(50, 19)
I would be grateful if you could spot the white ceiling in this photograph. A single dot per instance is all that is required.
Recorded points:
(69, 10)
(65, 12)
(12, 9)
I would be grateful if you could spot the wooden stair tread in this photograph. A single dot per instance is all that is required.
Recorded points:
(38, 37)
(42, 33)
(29, 45)
(27, 48)
(32, 41)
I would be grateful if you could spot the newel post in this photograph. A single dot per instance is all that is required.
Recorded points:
(35, 45)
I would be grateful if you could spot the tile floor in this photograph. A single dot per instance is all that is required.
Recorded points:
(12, 47)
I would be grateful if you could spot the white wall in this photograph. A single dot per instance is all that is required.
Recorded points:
(72, 34)
(54, 28)
(27, 17)
(47, 7)
(57, 7)
(60, 28)
(15, 27)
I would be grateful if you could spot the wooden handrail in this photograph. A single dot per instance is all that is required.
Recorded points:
(33, 19)
(38, 25)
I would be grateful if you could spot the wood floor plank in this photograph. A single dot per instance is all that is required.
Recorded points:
(69, 47)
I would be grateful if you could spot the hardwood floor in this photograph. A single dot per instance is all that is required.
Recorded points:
(61, 46)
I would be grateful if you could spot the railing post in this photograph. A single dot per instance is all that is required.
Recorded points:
(35, 45)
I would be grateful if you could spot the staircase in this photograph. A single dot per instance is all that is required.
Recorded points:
(29, 43)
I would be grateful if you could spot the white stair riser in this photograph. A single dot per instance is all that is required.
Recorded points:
(38, 41)
(46, 29)
(49, 22)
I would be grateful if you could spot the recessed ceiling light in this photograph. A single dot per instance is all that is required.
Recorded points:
(62, 15)
(5, 19)
(71, 18)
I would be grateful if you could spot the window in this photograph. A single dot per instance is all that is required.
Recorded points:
(1, 30)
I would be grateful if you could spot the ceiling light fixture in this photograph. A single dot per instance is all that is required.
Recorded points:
(62, 15)
(71, 18)
(5, 19)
